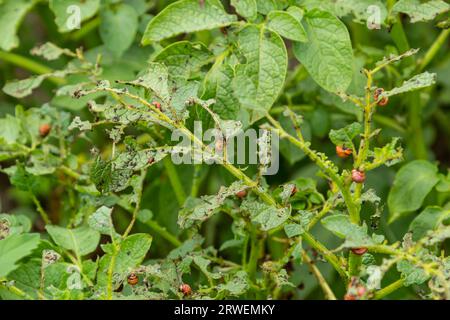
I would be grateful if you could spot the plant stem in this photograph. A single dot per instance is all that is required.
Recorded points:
(41, 210)
(30, 65)
(138, 203)
(322, 282)
(327, 254)
(434, 49)
(175, 181)
(163, 233)
(380, 294)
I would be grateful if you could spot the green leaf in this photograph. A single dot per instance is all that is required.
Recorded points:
(118, 27)
(238, 285)
(14, 248)
(184, 59)
(265, 6)
(389, 154)
(417, 82)
(13, 224)
(101, 221)
(286, 25)
(11, 14)
(66, 12)
(411, 274)
(411, 185)
(345, 136)
(421, 10)
(428, 220)
(268, 217)
(293, 230)
(196, 209)
(245, 8)
(328, 54)
(23, 88)
(444, 183)
(186, 16)
(50, 51)
(130, 255)
(258, 83)
(81, 241)
(354, 235)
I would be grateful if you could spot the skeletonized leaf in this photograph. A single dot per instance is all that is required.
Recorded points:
(417, 82)
(328, 55)
(184, 58)
(354, 235)
(428, 220)
(186, 16)
(50, 51)
(268, 217)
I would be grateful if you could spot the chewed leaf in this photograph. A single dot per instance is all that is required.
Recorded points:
(394, 58)
(421, 11)
(50, 51)
(101, 221)
(345, 136)
(77, 123)
(155, 78)
(238, 285)
(411, 274)
(354, 235)
(186, 16)
(183, 58)
(268, 217)
(200, 209)
(23, 88)
(417, 82)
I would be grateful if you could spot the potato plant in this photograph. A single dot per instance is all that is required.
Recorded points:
(95, 205)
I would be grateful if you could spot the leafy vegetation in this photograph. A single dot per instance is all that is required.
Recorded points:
(96, 207)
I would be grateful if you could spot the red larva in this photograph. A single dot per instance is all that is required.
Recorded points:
(359, 251)
(241, 194)
(44, 130)
(358, 176)
(384, 101)
(132, 279)
(185, 289)
(157, 105)
(343, 152)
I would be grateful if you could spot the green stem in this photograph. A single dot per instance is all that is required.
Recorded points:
(41, 210)
(434, 49)
(138, 203)
(354, 263)
(163, 233)
(327, 254)
(175, 181)
(30, 65)
(380, 294)
(85, 29)
(329, 295)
